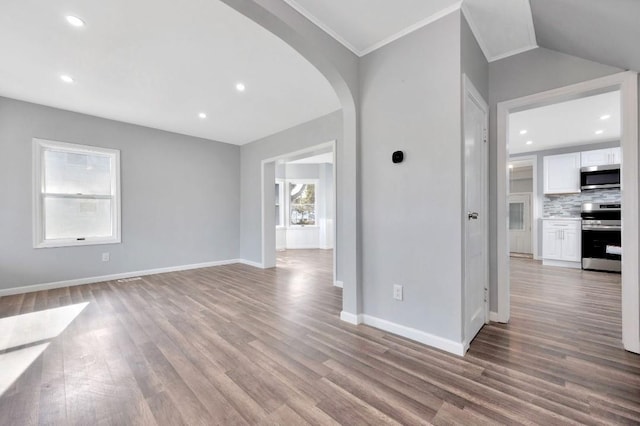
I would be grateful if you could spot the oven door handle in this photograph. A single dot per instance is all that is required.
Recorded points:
(602, 228)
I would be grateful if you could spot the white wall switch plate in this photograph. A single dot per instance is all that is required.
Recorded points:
(105, 257)
(397, 292)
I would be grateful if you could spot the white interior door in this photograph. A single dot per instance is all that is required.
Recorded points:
(476, 185)
(520, 223)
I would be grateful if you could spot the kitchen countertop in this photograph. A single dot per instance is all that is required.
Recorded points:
(561, 218)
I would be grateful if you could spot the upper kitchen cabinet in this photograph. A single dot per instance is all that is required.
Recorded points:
(562, 173)
(601, 157)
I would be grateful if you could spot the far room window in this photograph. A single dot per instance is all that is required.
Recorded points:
(302, 203)
(76, 194)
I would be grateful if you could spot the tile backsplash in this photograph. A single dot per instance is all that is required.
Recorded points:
(569, 205)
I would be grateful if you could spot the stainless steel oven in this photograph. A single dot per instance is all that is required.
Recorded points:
(601, 237)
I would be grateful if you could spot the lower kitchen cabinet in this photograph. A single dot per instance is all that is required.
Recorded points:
(561, 245)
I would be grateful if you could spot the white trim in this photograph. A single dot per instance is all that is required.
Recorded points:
(351, 318)
(493, 316)
(627, 83)
(420, 24)
(483, 44)
(38, 148)
(630, 273)
(360, 53)
(562, 263)
(338, 284)
(450, 346)
(112, 277)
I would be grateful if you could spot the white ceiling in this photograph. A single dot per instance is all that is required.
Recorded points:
(502, 27)
(159, 69)
(565, 124)
(365, 25)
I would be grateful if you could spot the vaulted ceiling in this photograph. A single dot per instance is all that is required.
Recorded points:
(602, 31)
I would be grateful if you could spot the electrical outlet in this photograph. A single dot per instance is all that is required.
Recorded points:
(397, 292)
(105, 257)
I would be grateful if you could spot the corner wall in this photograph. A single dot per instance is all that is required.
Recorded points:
(180, 198)
(411, 212)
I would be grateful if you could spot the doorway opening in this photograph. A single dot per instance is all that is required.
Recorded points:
(565, 132)
(299, 212)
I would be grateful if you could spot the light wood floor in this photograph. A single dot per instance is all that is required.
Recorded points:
(239, 345)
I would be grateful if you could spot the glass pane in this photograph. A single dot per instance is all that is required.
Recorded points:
(74, 218)
(303, 203)
(516, 216)
(75, 173)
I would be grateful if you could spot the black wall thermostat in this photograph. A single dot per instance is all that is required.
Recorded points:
(397, 157)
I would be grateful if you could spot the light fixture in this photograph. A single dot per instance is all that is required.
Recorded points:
(240, 87)
(523, 132)
(75, 21)
(599, 132)
(511, 166)
(605, 117)
(202, 115)
(66, 78)
(529, 142)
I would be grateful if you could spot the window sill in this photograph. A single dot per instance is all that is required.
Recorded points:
(73, 243)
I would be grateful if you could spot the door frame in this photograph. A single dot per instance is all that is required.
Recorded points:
(267, 220)
(530, 196)
(469, 89)
(627, 83)
(536, 201)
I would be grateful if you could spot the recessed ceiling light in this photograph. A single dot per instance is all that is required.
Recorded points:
(66, 78)
(75, 21)
(511, 166)
(240, 87)
(202, 115)
(529, 142)
(523, 132)
(599, 132)
(605, 117)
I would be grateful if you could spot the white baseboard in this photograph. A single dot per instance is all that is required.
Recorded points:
(562, 263)
(456, 348)
(111, 277)
(493, 316)
(338, 284)
(351, 318)
(250, 263)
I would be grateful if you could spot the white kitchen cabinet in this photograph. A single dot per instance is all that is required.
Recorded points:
(562, 173)
(601, 157)
(561, 242)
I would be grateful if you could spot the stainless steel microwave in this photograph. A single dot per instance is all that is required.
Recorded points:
(596, 177)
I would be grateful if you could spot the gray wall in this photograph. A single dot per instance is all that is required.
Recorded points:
(473, 62)
(411, 212)
(180, 197)
(298, 171)
(321, 130)
(531, 72)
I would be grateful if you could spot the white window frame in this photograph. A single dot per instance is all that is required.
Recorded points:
(39, 147)
(288, 200)
(284, 205)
